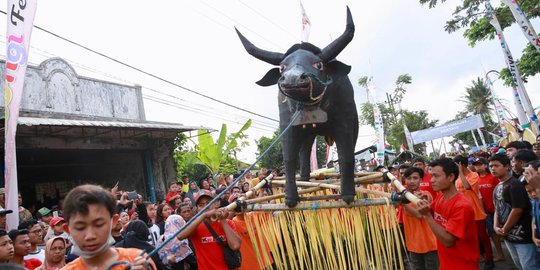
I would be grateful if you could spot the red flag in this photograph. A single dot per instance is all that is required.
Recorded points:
(403, 148)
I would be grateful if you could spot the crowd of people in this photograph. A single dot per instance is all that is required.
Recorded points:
(467, 202)
(95, 227)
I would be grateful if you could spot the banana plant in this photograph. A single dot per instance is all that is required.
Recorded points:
(213, 154)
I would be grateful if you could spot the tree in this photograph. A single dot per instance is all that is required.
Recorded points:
(186, 159)
(477, 98)
(216, 156)
(471, 15)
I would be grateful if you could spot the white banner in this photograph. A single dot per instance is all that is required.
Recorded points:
(524, 23)
(306, 24)
(499, 110)
(447, 129)
(523, 96)
(20, 20)
(378, 123)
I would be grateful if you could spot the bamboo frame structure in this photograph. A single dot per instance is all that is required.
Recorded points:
(319, 205)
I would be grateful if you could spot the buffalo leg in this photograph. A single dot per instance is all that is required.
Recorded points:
(290, 146)
(345, 147)
(305, 155)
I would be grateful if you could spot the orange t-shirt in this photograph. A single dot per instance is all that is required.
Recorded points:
(472, 195)
(418, 236)
(425, 184)
(124, 254)
(249, 256)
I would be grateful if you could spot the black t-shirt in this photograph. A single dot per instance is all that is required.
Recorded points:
(512, 194)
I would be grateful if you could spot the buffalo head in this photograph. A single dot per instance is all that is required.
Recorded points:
(304, 70)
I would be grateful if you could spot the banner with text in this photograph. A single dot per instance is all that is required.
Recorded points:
(448, 129)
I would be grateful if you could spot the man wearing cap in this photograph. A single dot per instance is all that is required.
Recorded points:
(45, 215)
(57, 228)
(209, 251)
(3, 218)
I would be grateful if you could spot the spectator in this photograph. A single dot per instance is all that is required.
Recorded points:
(188, 200)
(425, 184)
(173, 192)
(235, 190)
(486, 185)
(518, 161)
(124, 219)
(6, 247)
(3, 217)
(184, 184)
(163, 212)
(245, 187)
(223, 200)
(153, 229)
(512, 214)
(55, 250)
(24, 214)
(151, 212)
(57, 226)
(452, 221)
(513, 147)
(35, 234)
(467, 184)
(249, 257)
(45, 215)
(419, 240)
(205, 185)
(137, 235)
(21, 244)
(185, 211)
(175, 203)
(210, 253)
(89, 213)
(116, 231)
(174, 252)
(402, 169)
(193, 189)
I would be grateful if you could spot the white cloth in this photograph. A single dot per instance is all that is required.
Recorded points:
(40, 255)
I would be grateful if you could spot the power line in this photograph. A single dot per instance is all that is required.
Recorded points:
(148, 73)
(268, 20)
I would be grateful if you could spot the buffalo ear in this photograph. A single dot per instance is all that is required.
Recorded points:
(271, 77)
(336, 68)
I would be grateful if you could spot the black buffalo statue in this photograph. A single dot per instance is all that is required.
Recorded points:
(313, 78)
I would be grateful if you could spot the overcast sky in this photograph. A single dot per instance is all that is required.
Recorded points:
(193, 44)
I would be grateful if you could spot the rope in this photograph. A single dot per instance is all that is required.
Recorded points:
(293, 119)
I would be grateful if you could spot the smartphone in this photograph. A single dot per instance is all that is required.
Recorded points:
(132, 195)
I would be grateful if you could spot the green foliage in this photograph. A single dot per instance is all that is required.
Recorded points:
(274, 157)
(471, 15)
(186, 159)
(215, 155)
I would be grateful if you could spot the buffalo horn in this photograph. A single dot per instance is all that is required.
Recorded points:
(334, 48)
(266, 56)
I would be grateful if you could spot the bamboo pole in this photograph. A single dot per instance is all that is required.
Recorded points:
(397, 184)
(319, 205)
(323, 175)
(366, 179)
(330, 186)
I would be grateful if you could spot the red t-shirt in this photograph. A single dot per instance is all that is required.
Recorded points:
(32, 264)
(425, 184)
(456, 216)
(170, 195)
(486, 185)
(209, 252)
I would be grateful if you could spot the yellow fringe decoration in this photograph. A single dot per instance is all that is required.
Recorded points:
(343, 238)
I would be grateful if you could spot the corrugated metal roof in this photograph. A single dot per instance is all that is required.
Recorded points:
(33, 121)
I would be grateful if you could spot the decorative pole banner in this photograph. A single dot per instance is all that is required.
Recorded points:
(306, 24)
(498, 107)
(20, 20)
(525, 101)
(313, 157)
(524, 23)
(378, 123)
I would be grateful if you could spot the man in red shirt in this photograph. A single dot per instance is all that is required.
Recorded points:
(425, 183)
(452, 220)
(486, 185)
(209, 251)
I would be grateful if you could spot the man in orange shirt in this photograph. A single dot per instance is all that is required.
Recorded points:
(89, 211)
(425, 184)
(420, 241)
(467, 184)
(452, 220)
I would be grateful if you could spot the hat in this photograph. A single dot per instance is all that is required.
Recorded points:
(5, 211)
(203, 192)
(56, 220)
(480, 160)
(471, 160)
(43, 211)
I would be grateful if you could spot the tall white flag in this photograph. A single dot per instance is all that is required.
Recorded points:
(306, 24)
(524, 23)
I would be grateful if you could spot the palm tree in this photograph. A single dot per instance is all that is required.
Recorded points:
(477, 98)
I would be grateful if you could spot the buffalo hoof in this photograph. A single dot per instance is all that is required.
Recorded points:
(347, 198)
(291, 202)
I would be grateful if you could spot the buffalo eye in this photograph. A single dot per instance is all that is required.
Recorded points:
(282, 68)
(318, 65)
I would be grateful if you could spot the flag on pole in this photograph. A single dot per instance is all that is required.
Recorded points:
(408, 137)
(403, 148)
(378, 123)
(498, 107)
(313, 157)
(20, 20)
(306, 24)
(526, 107)
(524, 23)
